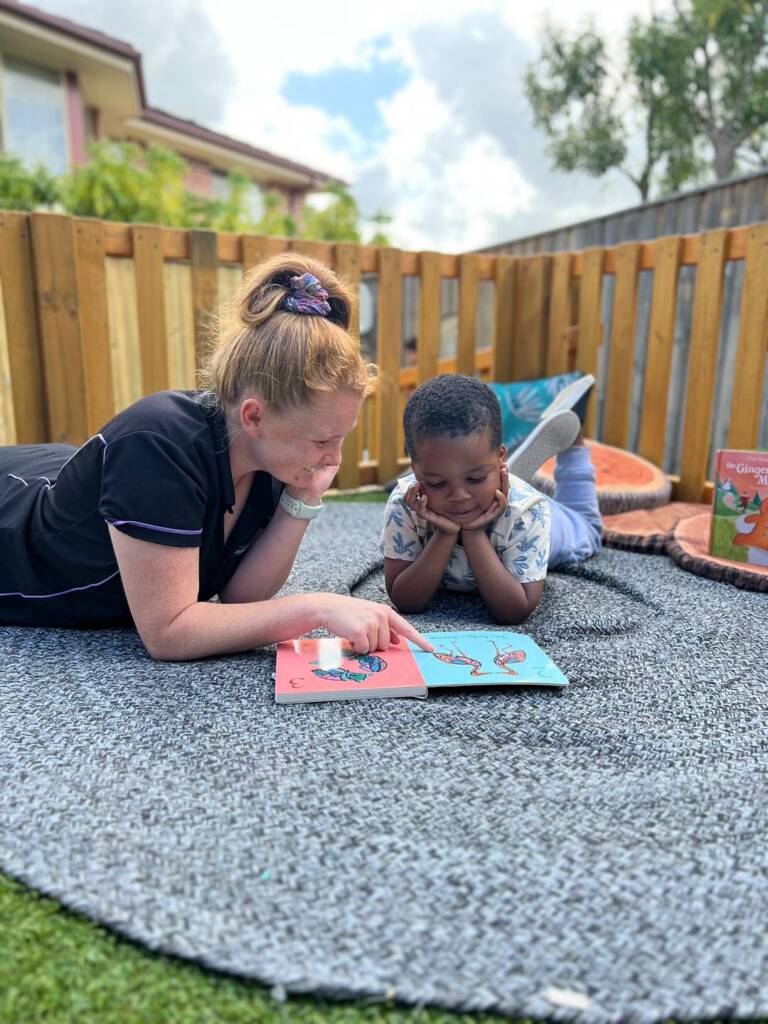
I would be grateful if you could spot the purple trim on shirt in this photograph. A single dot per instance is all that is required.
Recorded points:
(150, 526)
(61, 593)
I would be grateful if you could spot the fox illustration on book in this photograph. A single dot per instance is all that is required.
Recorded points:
(758, 535)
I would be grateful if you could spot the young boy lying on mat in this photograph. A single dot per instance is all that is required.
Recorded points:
(468, 519)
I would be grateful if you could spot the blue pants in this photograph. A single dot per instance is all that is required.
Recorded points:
(576, 523)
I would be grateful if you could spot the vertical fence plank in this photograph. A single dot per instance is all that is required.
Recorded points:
(559, 314)
(91, 277)
(23, 342)
(53, 246)
(590, 326)
(618, 392)
(705, 334)
(257, 248)
(150, 306)
(749, 368)
(530, 304)
(661, 341)
(389, 318)
(347, 260)
(204, 261)
(321, 251)
(428, 347)
(502, 367)
(465, 351)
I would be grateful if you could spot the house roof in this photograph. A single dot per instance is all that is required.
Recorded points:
(152, 115)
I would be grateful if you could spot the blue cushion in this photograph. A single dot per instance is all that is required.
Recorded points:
(522, 403)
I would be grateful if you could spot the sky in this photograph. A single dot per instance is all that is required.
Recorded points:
(418, 104)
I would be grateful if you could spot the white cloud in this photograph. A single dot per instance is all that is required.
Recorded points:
(460, 164)
(447, 186)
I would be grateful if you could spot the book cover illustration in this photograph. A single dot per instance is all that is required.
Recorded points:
(328, 669)
(486, 659)
(740, 508)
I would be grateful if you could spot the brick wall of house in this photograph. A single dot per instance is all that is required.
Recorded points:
(199, 177)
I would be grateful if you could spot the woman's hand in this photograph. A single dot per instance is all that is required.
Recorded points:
(497, 506)
(416, 500)
(367, 625)
(317, 483)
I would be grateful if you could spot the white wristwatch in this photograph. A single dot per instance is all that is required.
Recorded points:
(297, 508)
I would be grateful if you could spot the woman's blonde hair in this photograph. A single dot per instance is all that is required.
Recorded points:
(288, 358)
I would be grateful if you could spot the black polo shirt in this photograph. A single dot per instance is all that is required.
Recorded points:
(158, 471)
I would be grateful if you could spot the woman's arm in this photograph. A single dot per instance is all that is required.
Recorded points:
(161, 585)
(268, 562)
(509, 601)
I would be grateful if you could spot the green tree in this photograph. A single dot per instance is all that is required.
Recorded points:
(692, 91)
(337, 221)
(25, 189)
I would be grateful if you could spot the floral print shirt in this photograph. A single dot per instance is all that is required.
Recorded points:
(520, 535)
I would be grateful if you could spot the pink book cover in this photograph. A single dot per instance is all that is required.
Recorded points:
(328, 669)
(740, 508)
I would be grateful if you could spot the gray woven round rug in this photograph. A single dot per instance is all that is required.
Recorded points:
(598, 853)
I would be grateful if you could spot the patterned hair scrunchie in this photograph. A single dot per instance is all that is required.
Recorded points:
(306, 297)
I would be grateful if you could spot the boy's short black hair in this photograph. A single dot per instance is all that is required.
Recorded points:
(451, 405)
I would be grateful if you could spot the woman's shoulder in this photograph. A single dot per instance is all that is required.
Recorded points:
(177, 416)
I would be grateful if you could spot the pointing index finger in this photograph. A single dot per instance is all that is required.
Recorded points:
(407, 630)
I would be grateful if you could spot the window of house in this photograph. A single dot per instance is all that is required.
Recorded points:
(34, 119)
(254, 199)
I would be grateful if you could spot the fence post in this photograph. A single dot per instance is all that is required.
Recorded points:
(749, 369)
(53, 247)
(150, 304)
(559, 314)
(590, 327)
(702, 365)
(389, 326)
(348, 268)
(530, 307)
(468, 277)
(204, 260)
(618, 390)
(428, 346)
(661, 341)
(257, 248)
(503, 366)
(91, 278)
(25, 361)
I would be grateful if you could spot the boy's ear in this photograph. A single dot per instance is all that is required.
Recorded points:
(503, 453)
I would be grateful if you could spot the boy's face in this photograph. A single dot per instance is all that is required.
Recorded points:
(459, 475)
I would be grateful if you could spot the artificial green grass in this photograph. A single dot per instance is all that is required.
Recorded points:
(364, 496)
(57, 967)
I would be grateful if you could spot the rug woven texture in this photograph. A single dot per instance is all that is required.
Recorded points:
(474, 851)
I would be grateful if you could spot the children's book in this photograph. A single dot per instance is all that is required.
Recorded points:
(328, 669)
(740, 511)
(486, 658)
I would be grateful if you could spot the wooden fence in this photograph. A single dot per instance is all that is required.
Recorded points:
(96, 314)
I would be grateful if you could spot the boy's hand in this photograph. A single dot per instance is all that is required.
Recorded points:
(416, 500)
(497, 506)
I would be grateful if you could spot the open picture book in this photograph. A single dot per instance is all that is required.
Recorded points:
(328, 668)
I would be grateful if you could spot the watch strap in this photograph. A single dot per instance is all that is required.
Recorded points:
(297, 508)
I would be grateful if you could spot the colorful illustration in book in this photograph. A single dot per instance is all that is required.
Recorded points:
(342, 674)
(505, 655)
(369, 663)
(459, 658)
(756, 539)
(740, 506)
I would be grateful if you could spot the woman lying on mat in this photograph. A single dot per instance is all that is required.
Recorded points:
(190, 494)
